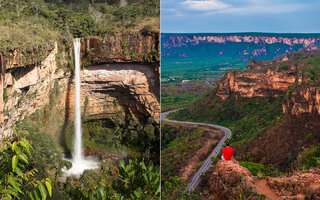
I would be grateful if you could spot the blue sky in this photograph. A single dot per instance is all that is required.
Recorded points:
(282, 16)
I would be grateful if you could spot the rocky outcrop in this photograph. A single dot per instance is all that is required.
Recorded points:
(180, 39)
(117, 84)
(241, 46)
(27, 89)
(253, 84)
(302, 99)
(108, 89)
(297, 185)
(121, 48)
(229, 180)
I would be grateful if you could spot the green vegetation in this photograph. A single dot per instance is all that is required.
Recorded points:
(246, 117)
(47, 119)
(32, 27)
(309, 158)
(140, 138)
(135, 180)
(260, 169)
(5, 95)
(17, 176)
(174, 70)
(179, 145)
(178, 95)
(310, 65)
(20, 180)
(173, 188)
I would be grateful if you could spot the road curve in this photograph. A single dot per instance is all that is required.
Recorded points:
(214, 153)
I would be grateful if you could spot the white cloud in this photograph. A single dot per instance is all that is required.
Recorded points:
(247, 6)
(205, 5)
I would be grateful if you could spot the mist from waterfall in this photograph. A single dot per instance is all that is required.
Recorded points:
(79, 163)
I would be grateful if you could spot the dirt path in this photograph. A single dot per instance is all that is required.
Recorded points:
(261, 187)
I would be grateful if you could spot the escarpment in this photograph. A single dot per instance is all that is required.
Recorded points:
(120, 77)
(238, 46)
(193, 39)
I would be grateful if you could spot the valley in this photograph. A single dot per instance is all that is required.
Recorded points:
(270, 105)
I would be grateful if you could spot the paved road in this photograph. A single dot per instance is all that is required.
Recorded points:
(207, 82)
(214, 153)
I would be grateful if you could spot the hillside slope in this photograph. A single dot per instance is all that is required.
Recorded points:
(271, 107)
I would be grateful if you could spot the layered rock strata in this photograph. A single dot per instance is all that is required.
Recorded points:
(253, 84)
(128, 84)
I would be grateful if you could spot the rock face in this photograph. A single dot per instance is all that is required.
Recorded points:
(250, 83)
(231, 181)
(237, 45)
(303, 99)
(127, 85)
(228, 179)
(298, 184)
(27, 89)
(180, 39)
(111, 88)
(124, 48)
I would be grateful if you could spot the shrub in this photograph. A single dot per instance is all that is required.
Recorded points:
(309, 158)
(16, 180)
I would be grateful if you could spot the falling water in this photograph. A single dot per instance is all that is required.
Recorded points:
(77, 119)
(79, 163)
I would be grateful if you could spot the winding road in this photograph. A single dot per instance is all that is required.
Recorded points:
(214, 153)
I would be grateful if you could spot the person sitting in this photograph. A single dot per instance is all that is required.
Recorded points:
(227, 152)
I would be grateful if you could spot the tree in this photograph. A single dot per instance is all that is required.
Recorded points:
(16, 182)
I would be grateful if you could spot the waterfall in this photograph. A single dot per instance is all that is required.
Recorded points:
(77, 153)
(79, 163)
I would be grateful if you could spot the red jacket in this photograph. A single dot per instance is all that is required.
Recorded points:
(227, 153)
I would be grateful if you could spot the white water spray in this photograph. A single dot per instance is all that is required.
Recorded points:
(79, 163)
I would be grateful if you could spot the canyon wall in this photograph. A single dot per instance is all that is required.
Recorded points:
(239, 46)
(178, 40)
(303, 99)
(255, 82)
(117, 79)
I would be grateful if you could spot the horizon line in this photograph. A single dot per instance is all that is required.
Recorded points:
(240, 32)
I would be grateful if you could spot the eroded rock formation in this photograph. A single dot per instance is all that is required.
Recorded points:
(232, 181)
(111, 88)
(229, 179)
(250, 83)
(241, 46)
(127, 82)
(302, 99)
(179, 39)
